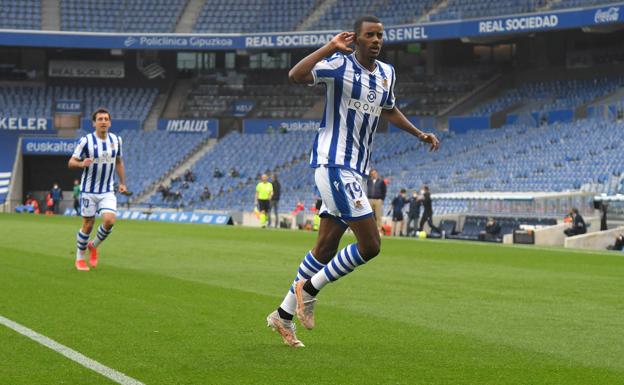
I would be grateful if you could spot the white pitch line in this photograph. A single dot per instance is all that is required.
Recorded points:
(73, 355)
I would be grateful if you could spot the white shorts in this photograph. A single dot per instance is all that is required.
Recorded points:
(91, 204)
(343, 193)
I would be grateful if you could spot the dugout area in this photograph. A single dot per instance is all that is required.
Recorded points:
(36, 174)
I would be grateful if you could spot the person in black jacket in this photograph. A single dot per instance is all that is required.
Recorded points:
(413, 213)
(397, 213)
(619, 243)
(428, 211)
(275, 200)
(578, 224)
(492, 231)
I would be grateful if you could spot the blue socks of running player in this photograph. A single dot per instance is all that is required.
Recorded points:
(102, 233)
(319, 275)
(81, 244)
(308, 267)
(342, 264)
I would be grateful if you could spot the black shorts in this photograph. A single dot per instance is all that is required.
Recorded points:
(264, 205)
(397, 216)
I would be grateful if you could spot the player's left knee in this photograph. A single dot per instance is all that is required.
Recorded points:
(370, 249)
(109, 223)
(324, 253)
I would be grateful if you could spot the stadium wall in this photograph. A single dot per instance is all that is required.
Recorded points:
(593, 241)
(554, 236)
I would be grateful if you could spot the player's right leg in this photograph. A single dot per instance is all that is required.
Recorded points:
(327, 241)
(81, 243)
(344, 198)
(88, 206)
(107, 207)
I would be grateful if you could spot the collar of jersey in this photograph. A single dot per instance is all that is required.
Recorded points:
(102, 140)
(355, 60)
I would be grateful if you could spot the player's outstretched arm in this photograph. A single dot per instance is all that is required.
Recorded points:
(301, 73)
(396, 117)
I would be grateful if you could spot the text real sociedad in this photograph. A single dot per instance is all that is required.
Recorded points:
(518, 23)
(392, 34)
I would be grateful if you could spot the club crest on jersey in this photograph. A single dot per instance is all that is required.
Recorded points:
(385, 82)
(372, 95)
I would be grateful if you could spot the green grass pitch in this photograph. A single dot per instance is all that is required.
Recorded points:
(186, 304)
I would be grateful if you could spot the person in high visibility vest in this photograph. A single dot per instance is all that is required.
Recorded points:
(264, 193)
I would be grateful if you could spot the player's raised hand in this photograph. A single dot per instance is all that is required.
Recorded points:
(87, 162)
(432, 139)
(343, 40)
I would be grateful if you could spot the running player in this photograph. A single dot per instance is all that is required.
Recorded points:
(99, 155)
(359, 90)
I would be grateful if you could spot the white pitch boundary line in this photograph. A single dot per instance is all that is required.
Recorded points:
(73, 355)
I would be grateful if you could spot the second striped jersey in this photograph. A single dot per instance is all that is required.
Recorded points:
(99, 177)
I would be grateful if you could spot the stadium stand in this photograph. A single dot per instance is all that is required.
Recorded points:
(271, 152)
(579, 3)
(551, 95)
(493, 160)
(37, 101)
(425, 95)
(467, 9)
(144, 165)
(206, 100)
(222, 16)
(480, 160)
(272, 97)
(419, 94)
(121, 15)
(342, 15)
(252, 15)
(20, 14)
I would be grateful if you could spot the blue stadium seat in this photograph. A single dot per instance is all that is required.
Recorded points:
(22, 14)
(36, 101)
(467, 9)
(551, 95)
(121, 15)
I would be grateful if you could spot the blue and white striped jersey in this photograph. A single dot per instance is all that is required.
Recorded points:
(355, 98)
(99, 177)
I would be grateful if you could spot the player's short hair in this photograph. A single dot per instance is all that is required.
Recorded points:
(100, 110)
(357, 26)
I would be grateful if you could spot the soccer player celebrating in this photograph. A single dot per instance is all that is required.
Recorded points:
(99, 155)
(359, 90)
